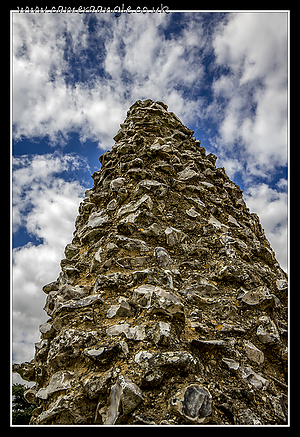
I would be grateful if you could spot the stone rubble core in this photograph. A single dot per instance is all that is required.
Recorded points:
(170, 307)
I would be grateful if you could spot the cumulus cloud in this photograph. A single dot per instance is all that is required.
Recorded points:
(271, 206)
(45, 204)
(135, 59)
(252, 47)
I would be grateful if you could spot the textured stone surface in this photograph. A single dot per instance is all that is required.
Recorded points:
(170, 307)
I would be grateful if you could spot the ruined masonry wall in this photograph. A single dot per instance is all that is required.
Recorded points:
(170, 307)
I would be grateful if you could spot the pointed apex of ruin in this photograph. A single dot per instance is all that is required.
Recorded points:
(170, 307)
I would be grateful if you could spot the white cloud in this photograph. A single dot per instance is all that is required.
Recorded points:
(253, 48)
(137, 61)
(271, 206)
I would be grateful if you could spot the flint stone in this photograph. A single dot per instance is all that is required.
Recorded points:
(253, 353)
(116, 184)
(97, 256)
(121, 310)
(157, 300)
(58, 407)
(124, 397)
(134, 205)
(47, 330)
(112, 205)
(260, 297)
(137, 173)
(52, 286)
(232, 364)
(150, 184)
(281, 284)
(131, 218)
(161, 334)
(193, 403)
(81, 303)
(257, 380)
(187, 174)
(267, 332)
(280, 406)
(166, 303)
(132, 244)
(164, 149)
(203, 286)
(182, 360)
(25, 370)
(136, 333)
(120, 134)
(192, 212)
(206, 345)
(70, 251)
(196, 201)
(68, 345)
(112, 280)
(162, 257)
(65, 293)
(59, 381)
(152, 378)
(246, 417)
(97, 219)
(174, 236)
(30, 396)
(92, 235)
(233, 222)
(152, 231)
(97, 384)
(105, 354)
(213, 221)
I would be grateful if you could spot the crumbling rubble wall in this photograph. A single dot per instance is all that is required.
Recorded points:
(170, 307)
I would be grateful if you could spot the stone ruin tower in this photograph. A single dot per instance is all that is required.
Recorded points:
(170, 307)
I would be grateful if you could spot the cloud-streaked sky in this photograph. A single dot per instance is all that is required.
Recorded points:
(74, 76)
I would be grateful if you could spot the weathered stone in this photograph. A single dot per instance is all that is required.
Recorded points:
(30, 396)
(162, 257)
(187, 174)
(124, 397)
(232, 364)
(96, 384)
(267, 332)
(174, 236)
(134, 205)
(260, 296)
(193, 403)
(121, 310)
(132, 244)
(74, 304)
(163, 334)
(132, 333)
(97, 219)
(257, 380)
(105, 354)
(192, 212)
(59, 381)
(71, 251)
(246, 417)
(152, 231)
(253, 353)
(150, 184)
(47, 330)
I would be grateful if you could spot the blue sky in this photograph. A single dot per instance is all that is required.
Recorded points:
(73, 79)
